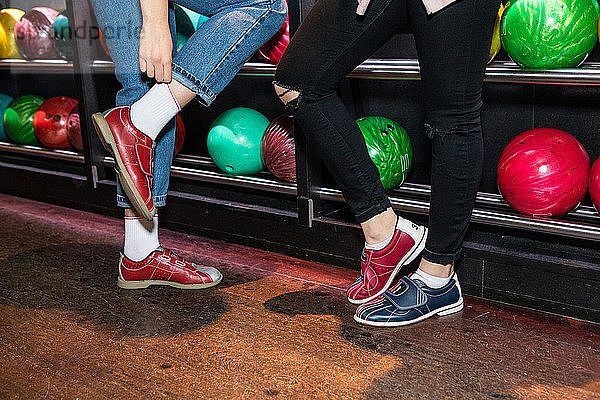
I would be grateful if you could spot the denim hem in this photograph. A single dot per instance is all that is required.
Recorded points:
(206, 95)
(159, 201)
(373, 211)
(441, 258)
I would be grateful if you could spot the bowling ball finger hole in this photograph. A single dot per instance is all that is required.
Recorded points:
(229, 168)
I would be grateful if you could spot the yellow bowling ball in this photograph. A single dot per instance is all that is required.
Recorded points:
(8, 18)
(496, 43)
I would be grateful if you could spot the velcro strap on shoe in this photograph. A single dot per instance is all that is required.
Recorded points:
(410, 295)
(144, 156)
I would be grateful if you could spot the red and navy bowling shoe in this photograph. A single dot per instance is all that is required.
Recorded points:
(133, 152)
(380, 267)
(163, 267)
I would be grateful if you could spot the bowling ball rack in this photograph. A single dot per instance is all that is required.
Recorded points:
(292, 217)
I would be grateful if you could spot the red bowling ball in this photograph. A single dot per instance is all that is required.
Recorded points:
(50, 122)
(595, 184)
(34, 34)
(278, 148)
(74, 129)
(179, 135)
(273, 50)
(543, 172)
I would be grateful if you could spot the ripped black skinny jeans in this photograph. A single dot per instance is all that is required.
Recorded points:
(453, 47)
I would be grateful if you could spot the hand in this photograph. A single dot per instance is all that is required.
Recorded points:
(156, 49)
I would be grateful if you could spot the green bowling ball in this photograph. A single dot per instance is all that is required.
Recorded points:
(4, 102)
(548, 34)
(197, 19)
(234, 141)
(389, 148)
(18, 119)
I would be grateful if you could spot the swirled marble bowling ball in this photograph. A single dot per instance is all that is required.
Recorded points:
(50, 122)
(62, 36)
(18, 119)
(34, 34)
(543, 172)
(389, 148)
(74, 129)
(547, 34)
(234, 141)
(278, 148)
(8, 19)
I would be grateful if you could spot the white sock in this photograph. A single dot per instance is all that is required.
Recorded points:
(433, 282)
(141, 237)
(152, 112)
(380, 245)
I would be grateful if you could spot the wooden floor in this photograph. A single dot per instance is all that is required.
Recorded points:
(276, 328)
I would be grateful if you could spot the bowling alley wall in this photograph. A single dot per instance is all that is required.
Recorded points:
(557, 257)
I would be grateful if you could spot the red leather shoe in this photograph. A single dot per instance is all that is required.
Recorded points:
(380, 267)
(163, 267)
(133, 153)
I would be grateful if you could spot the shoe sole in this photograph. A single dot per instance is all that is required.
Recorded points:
(144, 284)
(447, 310)
(106, 137)
(408, 258)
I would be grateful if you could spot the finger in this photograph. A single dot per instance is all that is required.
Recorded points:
(167, 70)
(158, 72)
(143, 67)
(150, 70)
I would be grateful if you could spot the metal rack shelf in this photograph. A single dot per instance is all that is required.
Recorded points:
(500, 71)
(498, 217)
(46, 66)
(65, 155)
(204, 170)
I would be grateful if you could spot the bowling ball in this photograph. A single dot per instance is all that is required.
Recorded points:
(197, 19)
(33, 33)
(4, 102)
(8, 19)
(389, 148)
(74, 129)
(595, 184)
(62, 36)
(18, 118)
(543, 172)
(50, 122)
(179, 135)
(184, 28)
(234, 140)
(546, 34)
(273, 50)
(496, 43)
(278, 148)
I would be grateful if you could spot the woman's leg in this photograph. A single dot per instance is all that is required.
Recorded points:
(122, 37)
(453, 47)
(328, 45)
(143, 261)
(215, 53)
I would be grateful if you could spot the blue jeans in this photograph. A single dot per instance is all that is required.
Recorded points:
(206, 64)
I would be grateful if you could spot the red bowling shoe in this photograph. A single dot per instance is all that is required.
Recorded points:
(380, 267)
(133, 153)
(162, 267)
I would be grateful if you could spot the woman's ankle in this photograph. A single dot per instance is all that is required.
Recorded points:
(380, 227)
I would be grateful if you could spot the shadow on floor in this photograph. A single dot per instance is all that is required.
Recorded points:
(454, 356)
(82, 278)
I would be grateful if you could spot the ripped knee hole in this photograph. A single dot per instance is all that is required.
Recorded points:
(289, 96)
